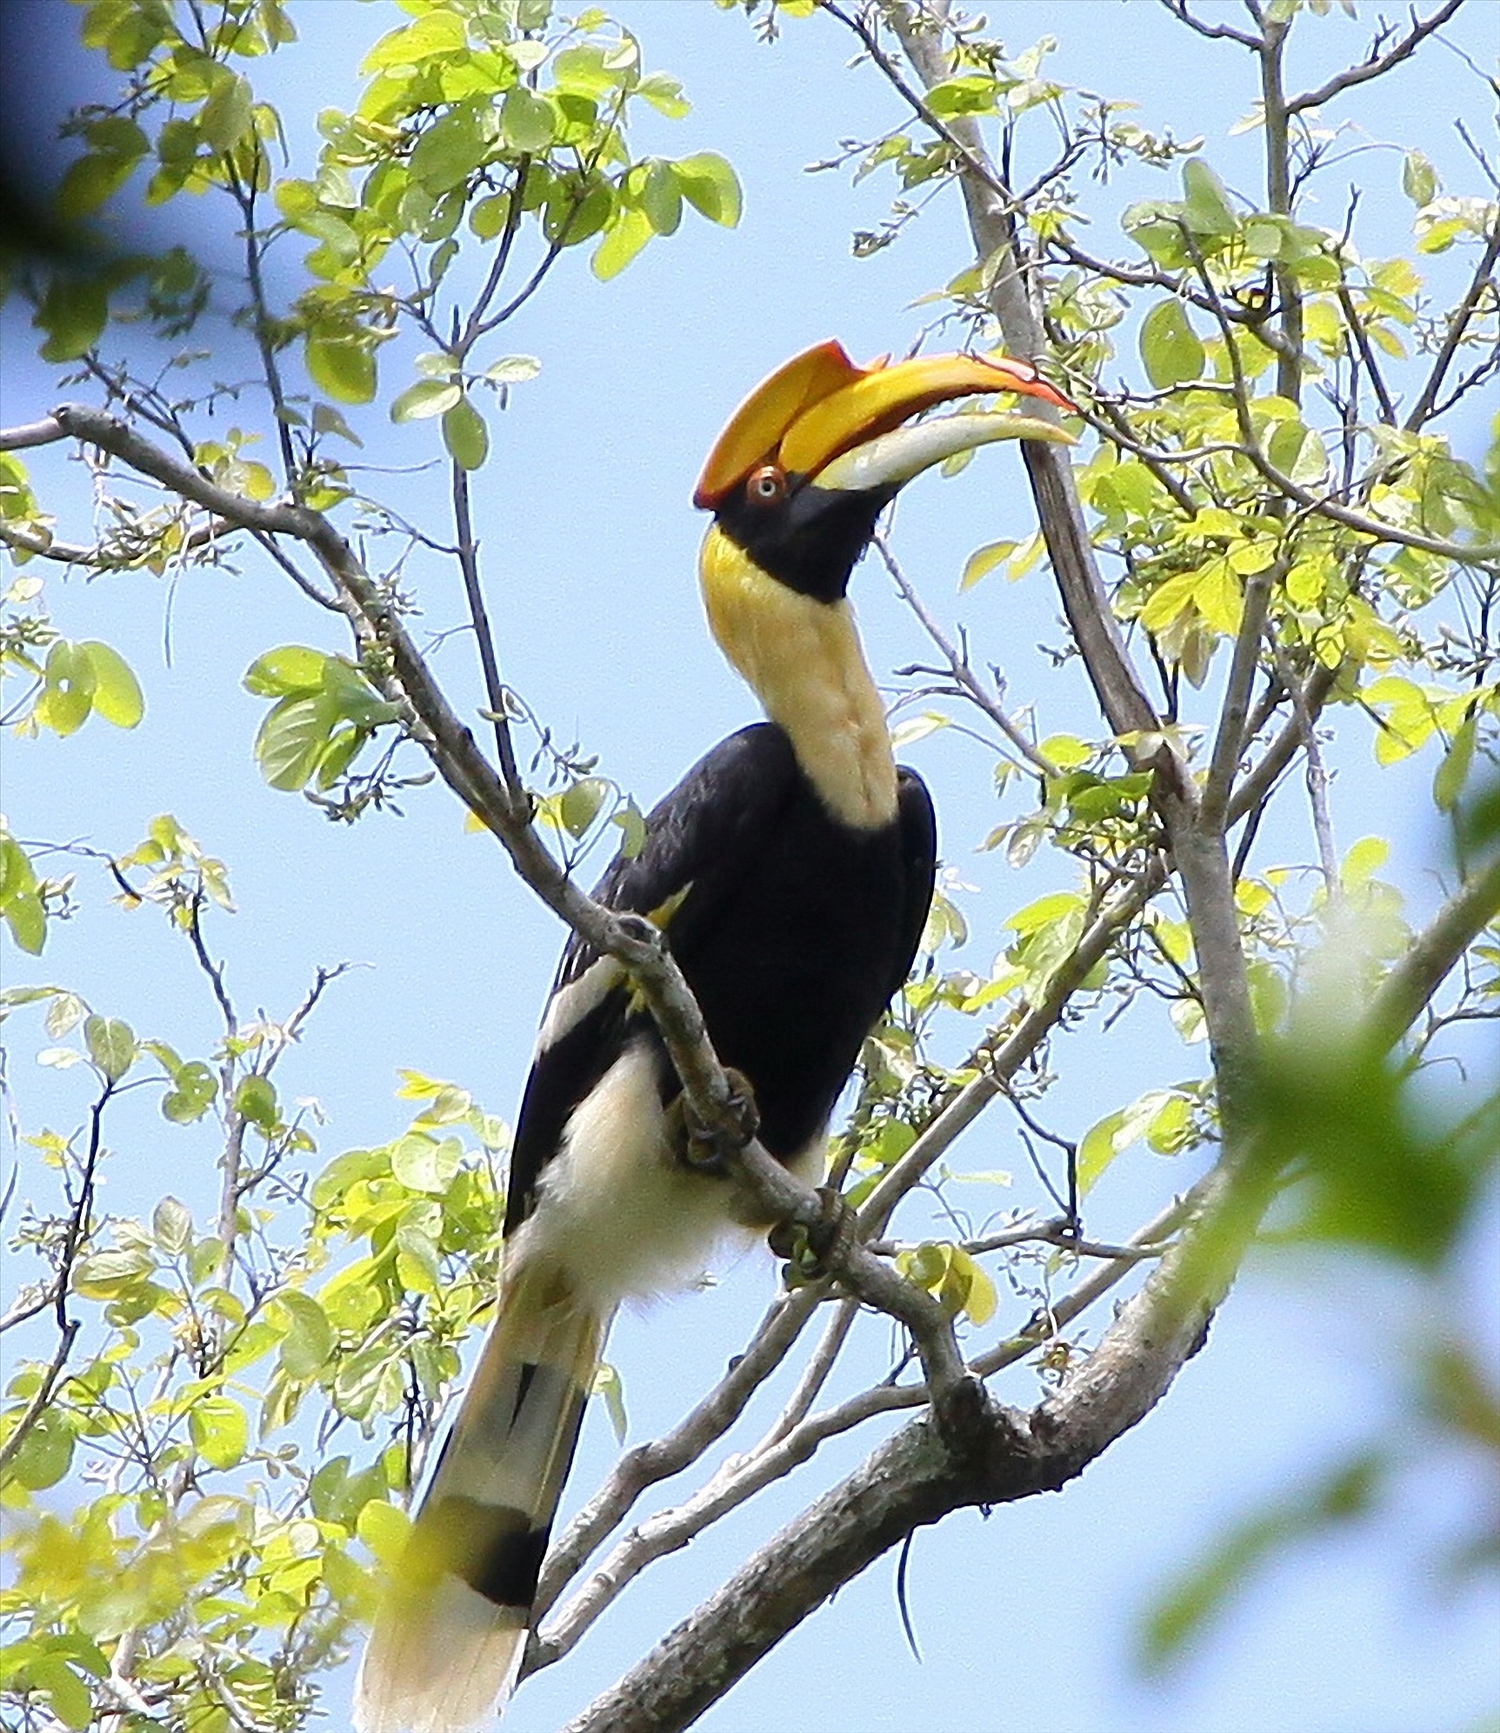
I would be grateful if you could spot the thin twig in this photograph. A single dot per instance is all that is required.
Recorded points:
(1377, 65)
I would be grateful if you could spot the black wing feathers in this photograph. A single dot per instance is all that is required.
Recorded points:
(918, 824)
(793, 930)
(709, 822)
(706, 827)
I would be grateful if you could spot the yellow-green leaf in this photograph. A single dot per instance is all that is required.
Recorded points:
(527, 120)
(342, 364)
(426, 398)
(983, 561)
(111, 1045)
(711, 186)
(117, 692)
(626, 235)
(219, 1429)
(465, 435)
(1171, 349)
(68, 688)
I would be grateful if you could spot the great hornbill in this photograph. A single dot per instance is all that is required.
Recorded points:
(791, 872)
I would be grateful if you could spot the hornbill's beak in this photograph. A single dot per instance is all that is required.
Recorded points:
(823, 419)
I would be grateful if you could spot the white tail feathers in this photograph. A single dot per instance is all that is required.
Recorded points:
(443, 1667)
(449, 1638)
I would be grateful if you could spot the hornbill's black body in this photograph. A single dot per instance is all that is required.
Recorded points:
(791, 872)
(793, 934)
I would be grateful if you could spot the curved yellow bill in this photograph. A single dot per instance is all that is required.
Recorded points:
(892, 459)
(820, 405)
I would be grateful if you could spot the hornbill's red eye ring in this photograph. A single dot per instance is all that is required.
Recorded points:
(766, 485)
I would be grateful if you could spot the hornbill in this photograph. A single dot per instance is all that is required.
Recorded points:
(791, 872)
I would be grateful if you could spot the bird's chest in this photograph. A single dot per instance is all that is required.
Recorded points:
(798, 963)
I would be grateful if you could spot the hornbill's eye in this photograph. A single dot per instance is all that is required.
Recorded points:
(766, 485)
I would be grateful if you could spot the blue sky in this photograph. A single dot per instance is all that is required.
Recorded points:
(589, 545)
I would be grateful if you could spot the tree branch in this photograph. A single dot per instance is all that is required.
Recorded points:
(1428, 959)
(1457, 325)
(1377, 64)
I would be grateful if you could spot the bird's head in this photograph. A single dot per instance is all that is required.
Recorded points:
(809, 460)
(795, 483)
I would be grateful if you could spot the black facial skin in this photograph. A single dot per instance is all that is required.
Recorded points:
(810, 538)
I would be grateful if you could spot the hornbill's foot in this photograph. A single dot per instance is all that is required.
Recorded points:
(807, 1247)
(704, 1151)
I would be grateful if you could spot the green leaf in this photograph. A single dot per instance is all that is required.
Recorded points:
(632, 829)
(90, 181)
(327, 419)
(465, 435)
(972, 93)
(1419, 179)
(711, 186)
(527, 120)
(1171, 349)
(513, 369)
(627, 234)
(450, 150)
(659, 198)
(384, 1530)
(1207, 210)
(435, 33)
(73, 314)
(172, 1226)
(117, 692)
(291, 671)
(341, 363)
(1453, 772)
(219, 1429)
(292, 739)
(609, 1385)
(569, 222)
(68, 688)
(70, 1697)
(191, 1095)
(983, 561)
(580, 804)
(255, 1100)
(111, 1044)
(1098, 1149)
(664, 93)
(26, 917)
(227, 115)
(426, 1164)
(426, 398)
(46, 1454)
(490, 215)
(1188, 1606)
(309, 1343)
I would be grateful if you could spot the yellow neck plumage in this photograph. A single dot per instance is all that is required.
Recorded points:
(803, 660)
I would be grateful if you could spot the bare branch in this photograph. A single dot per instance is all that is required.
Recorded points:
(1317, 776)
(1429, 958)
(31, 433)
(964, 676)
(42, 1396)
(468, 564)
(1366, 354)
(1458, 323)
(1230, 738)
(1376, 65)
(1214, 32)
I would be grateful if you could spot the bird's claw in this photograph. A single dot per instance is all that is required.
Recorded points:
(704, 1151)
(806, 1247)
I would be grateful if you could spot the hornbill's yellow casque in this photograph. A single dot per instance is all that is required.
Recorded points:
(791, 871)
